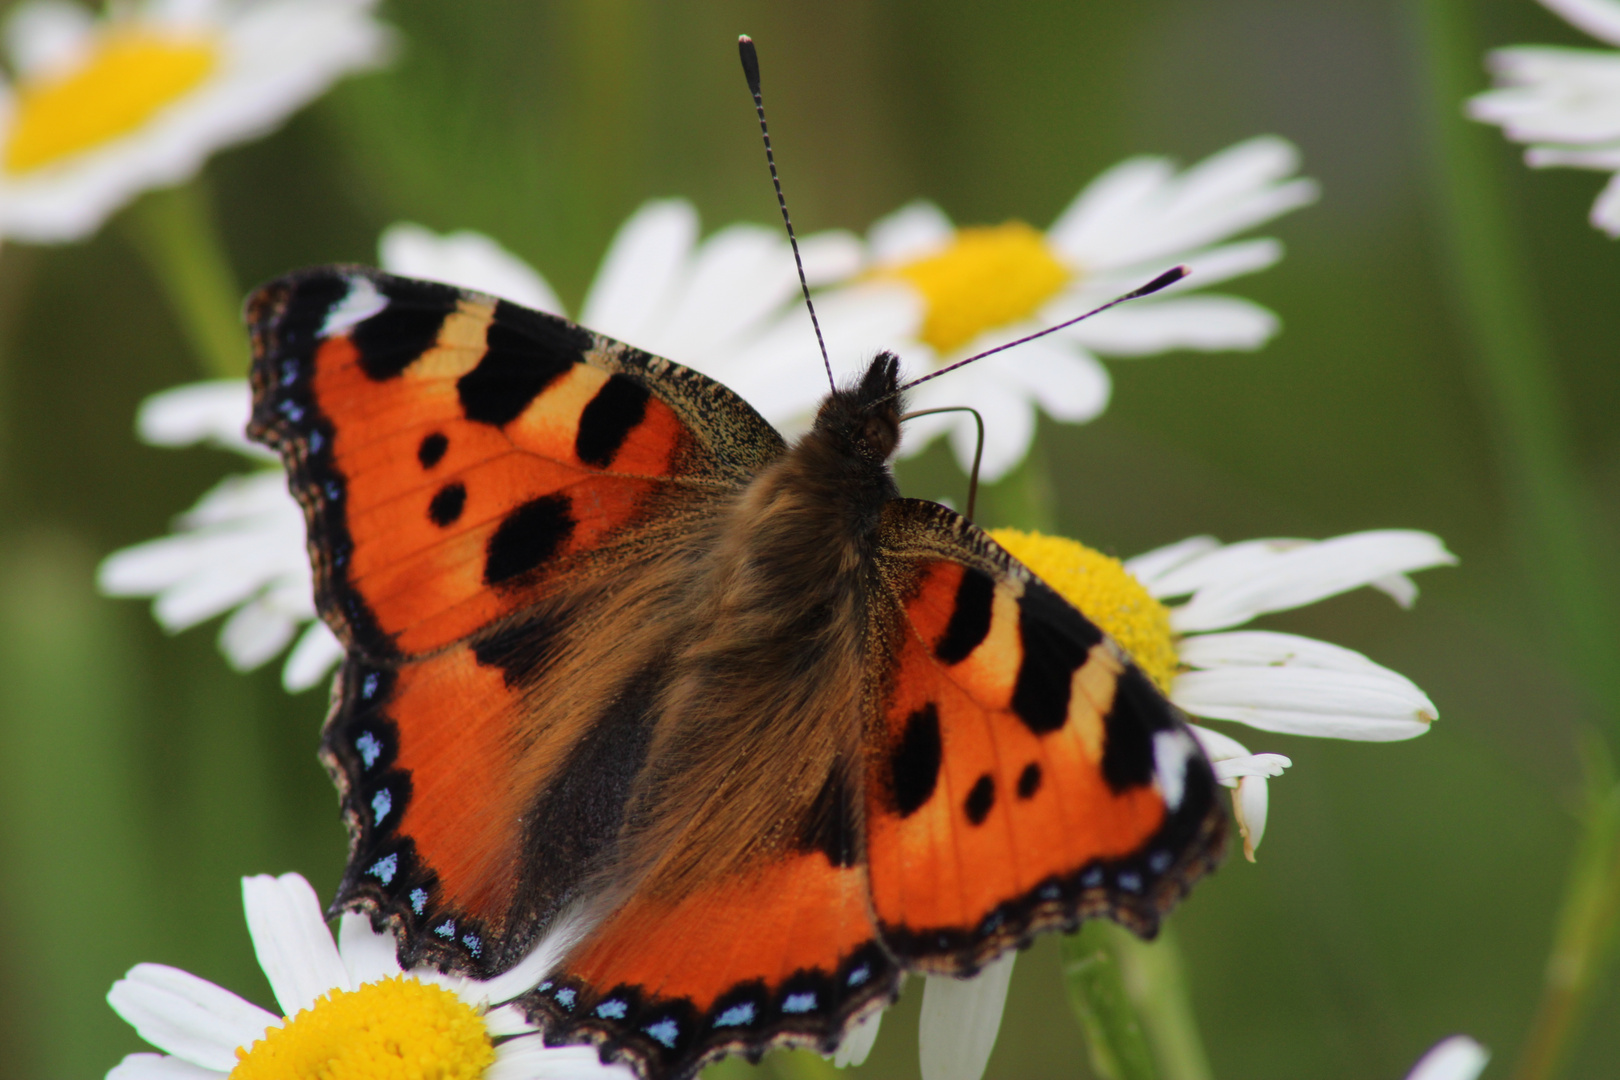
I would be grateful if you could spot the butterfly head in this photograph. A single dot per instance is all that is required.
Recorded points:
(865, 415)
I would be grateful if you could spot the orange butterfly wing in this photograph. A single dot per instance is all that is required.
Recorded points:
(473, 474)
(486, 489)
(1021, 772)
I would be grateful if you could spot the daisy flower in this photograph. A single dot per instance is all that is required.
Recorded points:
(1564, 102)
(348, 1010)
(979, 287)
(1194, 652)
(105, 107)
(240, 549)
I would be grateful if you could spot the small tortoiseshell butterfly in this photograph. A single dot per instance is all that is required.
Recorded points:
(761, 732)
(747, 731)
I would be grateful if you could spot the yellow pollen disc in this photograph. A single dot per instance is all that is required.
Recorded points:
(1105, 592)
(393, 1029)
(989, 276)
(128, 76)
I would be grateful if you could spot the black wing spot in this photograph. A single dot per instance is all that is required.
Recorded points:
(447, 505)
(980, 800)
(524, 352)
(1029, 781)
(1056, 640)
(914, 764)
(394, 338)
(970, 618)
(607, 421)
(1139, 710)
(431, 452)
(528, 536)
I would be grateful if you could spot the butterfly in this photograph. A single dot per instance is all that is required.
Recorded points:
(735, 730)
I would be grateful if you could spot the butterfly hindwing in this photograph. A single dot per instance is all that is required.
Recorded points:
(785, 954)
(1022, 772)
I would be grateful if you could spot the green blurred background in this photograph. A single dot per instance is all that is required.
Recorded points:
(1404, 892)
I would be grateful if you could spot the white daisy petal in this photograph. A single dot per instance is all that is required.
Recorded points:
(161, 1067)
(1152, 566)
(1236, 768)
(367, 955)
(1085, 230)
(1230, 770)
(507, 1020)
(858, 1041)
(1250, 804)
(215, 411)
(641, 268)
(43, 36)
(1267, 648)
(186, 1016)
(1066, 381)
(1606, 210)
(1603, 158)
(915, 230)
(1218, 564)
(1217, 745)
(291, 940)
(529, 1058)
(739, 276)
(254, 633)
(1456, 1058)
(1205, 322)
(1365, 706)
(468, 260)
(1282, 579)
(960, 1019)
(1600, 18)
(316, 653)
(831, 256)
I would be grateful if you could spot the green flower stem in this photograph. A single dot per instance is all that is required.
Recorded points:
(1155, 978)
(1114, 1036)
(1583, 943)
(1546, 503)
(175, 231)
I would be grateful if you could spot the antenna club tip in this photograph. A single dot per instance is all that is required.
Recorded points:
(750, 61)
(1169, 277)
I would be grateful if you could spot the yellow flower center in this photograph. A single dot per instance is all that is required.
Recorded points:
(128, 76)
(393, 1029)
(1105, 592)
(989, 276)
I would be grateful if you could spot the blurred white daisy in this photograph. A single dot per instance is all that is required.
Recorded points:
(347, 1007)
(104, 107)
(1456, 1058)
(1565, 102)
(1271, 681)
(979, 287)
(241, 547)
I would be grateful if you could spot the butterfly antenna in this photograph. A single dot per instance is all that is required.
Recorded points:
(1169, 277)
(978, 448)
(750, 63)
